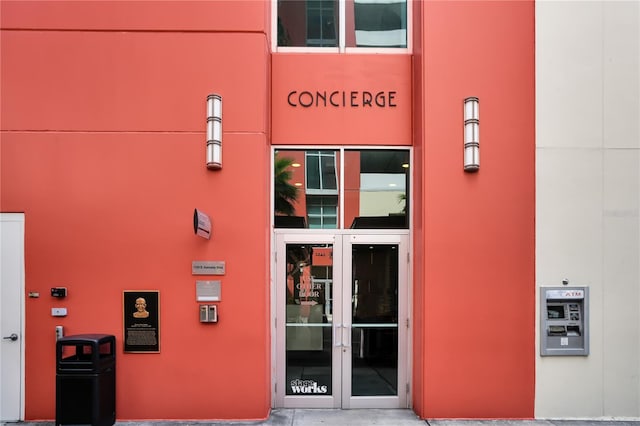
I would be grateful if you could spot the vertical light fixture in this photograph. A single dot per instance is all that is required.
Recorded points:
(214, 132)
(471, 135)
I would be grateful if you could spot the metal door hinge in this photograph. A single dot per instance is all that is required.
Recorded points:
(408, 323)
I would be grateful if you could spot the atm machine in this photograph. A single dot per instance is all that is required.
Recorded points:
(564, 321)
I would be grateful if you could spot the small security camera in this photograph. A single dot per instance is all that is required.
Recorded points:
(565, 281)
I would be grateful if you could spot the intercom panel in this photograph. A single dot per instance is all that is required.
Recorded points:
(564, 325)
(208, 313)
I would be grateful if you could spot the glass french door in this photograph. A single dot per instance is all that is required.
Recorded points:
(341, 320)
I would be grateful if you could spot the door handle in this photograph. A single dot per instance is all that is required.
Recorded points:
(13, 337)
(347, 328)
(337, 327)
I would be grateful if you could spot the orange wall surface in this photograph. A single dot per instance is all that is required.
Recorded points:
(143, 15)
(344, 124)
(103, 148)
(476, 231)
(417, 214)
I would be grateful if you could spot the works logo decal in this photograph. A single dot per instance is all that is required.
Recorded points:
(307, 387)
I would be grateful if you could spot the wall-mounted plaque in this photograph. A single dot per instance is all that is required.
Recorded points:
(207, 267)
(141, 314)
(208, 291)
(201, 224)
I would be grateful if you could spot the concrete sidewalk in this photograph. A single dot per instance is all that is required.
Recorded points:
(364, 417)
(532, 422)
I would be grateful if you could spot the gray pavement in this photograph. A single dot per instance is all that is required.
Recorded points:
(533, 422)
(364, 417)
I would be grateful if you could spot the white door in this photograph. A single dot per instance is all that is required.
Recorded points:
(11, 316)
(341, 320)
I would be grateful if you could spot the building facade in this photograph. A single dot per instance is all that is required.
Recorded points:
(351, 259)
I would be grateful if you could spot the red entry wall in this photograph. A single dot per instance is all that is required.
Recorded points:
(474, 289)
(103, 148)
(342, 124)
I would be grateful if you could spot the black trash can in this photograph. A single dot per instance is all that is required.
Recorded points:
(86, 380)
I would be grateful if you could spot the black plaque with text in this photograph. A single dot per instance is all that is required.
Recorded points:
(141, 313)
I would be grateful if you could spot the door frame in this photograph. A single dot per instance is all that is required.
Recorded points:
(342, 260)
(278, 333)
(402, 240)
(15, 219)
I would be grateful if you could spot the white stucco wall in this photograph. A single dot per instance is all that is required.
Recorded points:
(588, 198)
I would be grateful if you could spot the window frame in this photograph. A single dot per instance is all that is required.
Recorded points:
(321, 11)
(324, 206)
(341, 150)
(319, 155)
(342, 48)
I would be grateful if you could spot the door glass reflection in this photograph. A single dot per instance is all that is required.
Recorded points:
(374, 333)
(309, 316)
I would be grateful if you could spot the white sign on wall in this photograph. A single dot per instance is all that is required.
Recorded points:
(208, 291)
(565, 294)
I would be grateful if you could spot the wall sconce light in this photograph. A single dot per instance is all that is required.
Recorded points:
(471, 135)
(214, 132)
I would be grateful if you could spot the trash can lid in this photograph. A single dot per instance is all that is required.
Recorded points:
(85, 338)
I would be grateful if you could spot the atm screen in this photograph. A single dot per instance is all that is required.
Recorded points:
(555, 311)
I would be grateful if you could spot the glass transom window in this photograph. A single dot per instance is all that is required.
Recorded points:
(342, 24)
(341, 188)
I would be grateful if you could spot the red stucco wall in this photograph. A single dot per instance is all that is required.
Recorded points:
(103, 148)
(347, 123)
(478, 229)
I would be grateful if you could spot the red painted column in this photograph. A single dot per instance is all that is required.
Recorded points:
(474, 354)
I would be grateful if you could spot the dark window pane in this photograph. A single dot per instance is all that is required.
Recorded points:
(292, 27)
(321, 171)
(313, 172)
(374, 286)
(377, 24)
(329, 173)
(321, 23)
(313, 26)
(322, 211)
(311, 23)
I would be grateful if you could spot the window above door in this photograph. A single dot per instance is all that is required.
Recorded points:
(341, 188)
(342, 25)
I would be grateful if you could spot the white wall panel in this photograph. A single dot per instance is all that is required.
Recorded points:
(569, 237)
(621, 320)
(621, 74)
(569, 73)
(569, 216)
(588, 198)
